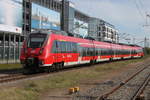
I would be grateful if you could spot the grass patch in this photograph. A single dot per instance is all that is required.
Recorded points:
(31, 90)
(9, 66)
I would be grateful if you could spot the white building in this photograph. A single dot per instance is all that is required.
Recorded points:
(102, 31)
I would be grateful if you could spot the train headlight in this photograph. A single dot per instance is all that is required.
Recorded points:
(41, 50)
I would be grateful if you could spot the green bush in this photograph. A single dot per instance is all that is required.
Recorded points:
(147, 51)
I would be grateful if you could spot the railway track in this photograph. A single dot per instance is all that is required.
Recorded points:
(139, 93)
(10, 78)
(14, 76)
(130, 89)
(146, 92)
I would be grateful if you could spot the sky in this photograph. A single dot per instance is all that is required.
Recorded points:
(128, 16)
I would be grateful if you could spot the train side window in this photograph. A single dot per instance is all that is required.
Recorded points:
(88, 51)
(132, 51)
(69, 47)
(99, 51)
(123, 52)
(74, 47)
(58, 46)
(84, 51)
(117, 52)
(53, 50)
(63, 47)
(92, 52)
(80, 51)
(108, 51)
(112, 52)
(54, 47)
(96, 51)
(103, 52)
(128, 52)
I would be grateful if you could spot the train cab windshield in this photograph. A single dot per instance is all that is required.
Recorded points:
(36, 40)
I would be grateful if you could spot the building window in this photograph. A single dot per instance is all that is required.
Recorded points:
(103, 28)
(111, 31)
(104, 35)
(99, 28)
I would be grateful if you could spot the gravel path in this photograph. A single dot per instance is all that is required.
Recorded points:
(106, 86)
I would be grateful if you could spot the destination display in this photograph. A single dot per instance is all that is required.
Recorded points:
(11, 16)
(44, 18)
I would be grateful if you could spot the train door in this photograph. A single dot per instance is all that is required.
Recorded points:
(57, 56)
(111, 51)
(130, 52)
(59, 51)
(93, 51)
(56, 51)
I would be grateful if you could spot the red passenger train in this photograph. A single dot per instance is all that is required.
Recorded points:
(54, 49)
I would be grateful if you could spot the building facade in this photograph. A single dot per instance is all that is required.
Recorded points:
(102, 30)
(27, 15)
(11, 36)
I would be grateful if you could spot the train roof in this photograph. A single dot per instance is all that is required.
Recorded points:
(128, 44)
(47, 31)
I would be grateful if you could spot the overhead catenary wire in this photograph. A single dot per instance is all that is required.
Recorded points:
(139, 9)
(142, 6)
(142, 10)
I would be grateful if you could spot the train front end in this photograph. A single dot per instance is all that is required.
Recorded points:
(34, 51)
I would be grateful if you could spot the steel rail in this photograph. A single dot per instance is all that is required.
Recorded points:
(141, 88)
(15, 77)
(105, 96)
(7, 76)
(10, 78)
